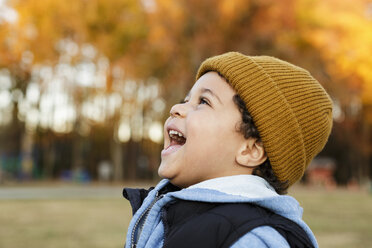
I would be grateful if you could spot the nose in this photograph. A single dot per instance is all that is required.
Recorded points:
(178, 110)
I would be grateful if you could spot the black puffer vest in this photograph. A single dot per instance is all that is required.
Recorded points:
(210, 225)
(199, 224)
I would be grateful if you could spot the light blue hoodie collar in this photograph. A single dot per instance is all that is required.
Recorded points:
(248, 186)
(251, 189)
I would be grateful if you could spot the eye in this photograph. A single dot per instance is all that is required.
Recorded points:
(183, 101)
(203, 100)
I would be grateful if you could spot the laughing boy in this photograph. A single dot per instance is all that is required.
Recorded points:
(245, 132)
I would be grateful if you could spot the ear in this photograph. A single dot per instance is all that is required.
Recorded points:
(251, 153)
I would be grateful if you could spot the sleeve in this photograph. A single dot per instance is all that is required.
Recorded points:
(263, 236)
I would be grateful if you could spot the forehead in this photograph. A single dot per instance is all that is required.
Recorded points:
(211, 81)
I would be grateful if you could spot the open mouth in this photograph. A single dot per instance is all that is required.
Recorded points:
(177, 140)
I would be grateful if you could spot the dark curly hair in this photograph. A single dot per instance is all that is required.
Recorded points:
(249, 130)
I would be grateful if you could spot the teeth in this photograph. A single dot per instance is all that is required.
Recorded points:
(174, 132)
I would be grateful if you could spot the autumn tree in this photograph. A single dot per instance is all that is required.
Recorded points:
(131, 47)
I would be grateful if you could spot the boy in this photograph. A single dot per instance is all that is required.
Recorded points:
(245, 132)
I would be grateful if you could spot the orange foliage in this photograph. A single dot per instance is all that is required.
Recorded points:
(342, 31)
(147, 41)
(167, 39)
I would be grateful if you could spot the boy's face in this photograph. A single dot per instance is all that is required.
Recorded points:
(208, 122)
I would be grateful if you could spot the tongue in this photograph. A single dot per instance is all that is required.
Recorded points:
(180, 140)
(176, 143)
(173, 146)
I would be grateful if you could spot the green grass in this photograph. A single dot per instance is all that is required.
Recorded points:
(338, 218)
(63, 223)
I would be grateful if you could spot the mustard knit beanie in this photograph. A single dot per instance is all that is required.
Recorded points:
(291, 110)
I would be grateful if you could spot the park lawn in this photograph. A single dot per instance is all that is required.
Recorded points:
(93, 223)
(339, 218)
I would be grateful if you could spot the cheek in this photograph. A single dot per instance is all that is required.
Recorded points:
(202, 129)
(211, 135)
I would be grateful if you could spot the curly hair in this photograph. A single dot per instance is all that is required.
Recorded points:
(249, 130)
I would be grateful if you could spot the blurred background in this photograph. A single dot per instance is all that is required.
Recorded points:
(85, 87)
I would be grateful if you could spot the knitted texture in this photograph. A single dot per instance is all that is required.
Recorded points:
(292, 111)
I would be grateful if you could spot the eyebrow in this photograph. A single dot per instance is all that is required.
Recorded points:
(206, 90)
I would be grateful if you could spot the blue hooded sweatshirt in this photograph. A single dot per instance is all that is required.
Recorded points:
(147, 230)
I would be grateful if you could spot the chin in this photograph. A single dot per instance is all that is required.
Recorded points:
(162, 171)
